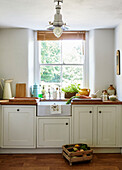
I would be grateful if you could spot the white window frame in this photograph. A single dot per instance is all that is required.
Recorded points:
(85, 65)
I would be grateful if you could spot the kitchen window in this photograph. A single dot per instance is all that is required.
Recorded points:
(62, 62)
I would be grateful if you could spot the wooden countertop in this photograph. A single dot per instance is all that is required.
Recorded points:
(32, 101)
(93, 102)
(19, 101)
(3, 101)
(26, 101)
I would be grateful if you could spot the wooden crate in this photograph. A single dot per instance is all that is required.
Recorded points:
(76, 156)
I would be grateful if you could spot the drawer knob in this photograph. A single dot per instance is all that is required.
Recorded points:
(66, 123)
(90, 111)
(18, 110)
(99, 111)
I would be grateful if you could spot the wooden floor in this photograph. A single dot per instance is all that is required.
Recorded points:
(57, 162)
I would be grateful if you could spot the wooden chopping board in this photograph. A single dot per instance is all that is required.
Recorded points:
(21, 90)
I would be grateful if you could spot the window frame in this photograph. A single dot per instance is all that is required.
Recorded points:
(85, 65)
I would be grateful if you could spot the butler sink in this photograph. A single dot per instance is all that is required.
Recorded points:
(53, 108)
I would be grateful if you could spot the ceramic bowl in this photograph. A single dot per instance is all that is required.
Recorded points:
(94, 95)
(112, 97)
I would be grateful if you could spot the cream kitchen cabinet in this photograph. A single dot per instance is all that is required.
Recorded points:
(96, 125)
(53, 132)
(82, 123)
(107, 123)
(18, 126)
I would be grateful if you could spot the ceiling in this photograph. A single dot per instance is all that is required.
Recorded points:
(78, 14)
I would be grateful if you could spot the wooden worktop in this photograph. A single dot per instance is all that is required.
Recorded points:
(19, 101)
(93, 102)
(26, 101)
(32, 101)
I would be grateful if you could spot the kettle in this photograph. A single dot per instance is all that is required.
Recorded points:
(7, 93)
(35, 90)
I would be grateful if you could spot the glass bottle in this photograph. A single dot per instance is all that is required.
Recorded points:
(111, 90)
(54, 94)
(43, 92)
(49, 92)
(59, 92)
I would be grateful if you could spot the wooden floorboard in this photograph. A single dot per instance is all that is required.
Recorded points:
(57, 162)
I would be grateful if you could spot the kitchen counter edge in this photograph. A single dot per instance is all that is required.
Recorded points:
(6, 102)
(108, 102)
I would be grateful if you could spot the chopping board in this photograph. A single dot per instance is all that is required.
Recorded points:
(21, 90)
(87, 99)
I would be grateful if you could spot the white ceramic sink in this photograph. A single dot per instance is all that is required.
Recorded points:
(53, 108)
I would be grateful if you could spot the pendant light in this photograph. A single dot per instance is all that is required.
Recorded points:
(57, 25)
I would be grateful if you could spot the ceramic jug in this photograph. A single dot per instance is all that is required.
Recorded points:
(84, 91)
(111, 90)
(35, 90)
(7, 93)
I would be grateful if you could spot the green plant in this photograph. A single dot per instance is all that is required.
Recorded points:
(72, 88)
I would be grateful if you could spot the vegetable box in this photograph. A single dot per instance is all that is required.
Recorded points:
(77, 153)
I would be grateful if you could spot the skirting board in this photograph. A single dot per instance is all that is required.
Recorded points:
(56, 150)
(106, 150)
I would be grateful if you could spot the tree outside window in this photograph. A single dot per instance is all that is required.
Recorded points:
(61, 62)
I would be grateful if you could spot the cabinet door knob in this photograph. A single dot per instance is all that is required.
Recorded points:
(17, 109)
(90, 111)
(66, 123)
(99, 111)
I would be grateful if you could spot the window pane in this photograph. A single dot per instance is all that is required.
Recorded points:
(72, 74)
(50, 74)
(50, 52)
(72, 52)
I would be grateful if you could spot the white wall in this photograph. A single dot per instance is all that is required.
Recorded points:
(17, 57)
(118, 46)
(14, 53)
(101, 66)
(30, 60)
(91, 62)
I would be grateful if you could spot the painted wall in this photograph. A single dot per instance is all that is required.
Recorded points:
(15, 64)
(17, 57)
(91, 62)
(101, 59)
(30, 60)
(118, 46)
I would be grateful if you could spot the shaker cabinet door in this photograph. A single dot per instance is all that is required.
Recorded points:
(82, 124)
(53, 132)
(107, 126)
(19, 127)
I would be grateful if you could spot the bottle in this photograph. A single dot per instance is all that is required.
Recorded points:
(104, 97)
(40, 92)
(54, 94)
(59, 93)
(49, 92)
(43, 92)
(111, 90)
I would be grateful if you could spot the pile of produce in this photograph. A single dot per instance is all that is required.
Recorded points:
(79, 96)
(77, 148)
(78, 92)
(77, 152)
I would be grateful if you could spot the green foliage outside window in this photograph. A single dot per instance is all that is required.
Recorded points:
(61, 53)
